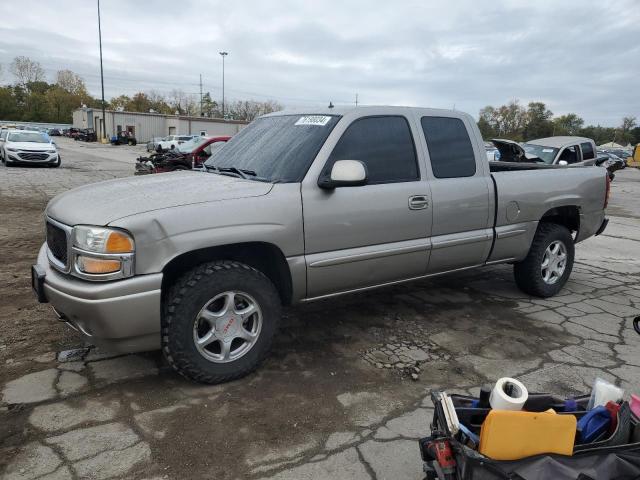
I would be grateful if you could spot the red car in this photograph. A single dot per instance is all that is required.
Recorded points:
(188, 155)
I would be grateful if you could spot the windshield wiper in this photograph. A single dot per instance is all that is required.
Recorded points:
(241, 172)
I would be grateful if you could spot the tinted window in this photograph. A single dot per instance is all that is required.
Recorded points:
(279, 148)
(449, 147)
(587, 151)
(383, 144)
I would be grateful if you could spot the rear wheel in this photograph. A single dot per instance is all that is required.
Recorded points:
(218, 321)
(548, 265)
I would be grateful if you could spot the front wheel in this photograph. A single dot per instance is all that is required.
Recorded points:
(218, 321)
(548, 265)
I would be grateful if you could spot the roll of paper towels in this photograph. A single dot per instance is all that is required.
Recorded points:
(514, 400)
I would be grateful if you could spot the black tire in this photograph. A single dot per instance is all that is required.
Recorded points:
(528, 273)
(57, 164)
(190, 293)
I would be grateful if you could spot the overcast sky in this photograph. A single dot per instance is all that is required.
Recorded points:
(575, 55)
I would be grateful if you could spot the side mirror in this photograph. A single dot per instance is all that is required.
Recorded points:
(563, 162)
(345, 173)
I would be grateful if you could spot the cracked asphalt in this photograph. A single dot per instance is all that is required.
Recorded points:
(345, 393)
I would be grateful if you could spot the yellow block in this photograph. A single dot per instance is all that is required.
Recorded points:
(507, 435)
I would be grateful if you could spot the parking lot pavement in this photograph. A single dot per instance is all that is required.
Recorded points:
(336, 399)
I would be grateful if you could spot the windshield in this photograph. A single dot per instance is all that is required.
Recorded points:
(546, 154)
(277, 149)
(191, 145)
(35, 137)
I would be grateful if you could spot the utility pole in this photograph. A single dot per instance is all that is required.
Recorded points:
(356, 99)
(104, 116)
(223, 54)
(201, 96)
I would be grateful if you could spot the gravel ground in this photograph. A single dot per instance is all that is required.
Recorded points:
(345, 392)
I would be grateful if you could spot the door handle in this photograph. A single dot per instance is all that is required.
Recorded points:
(418, 202)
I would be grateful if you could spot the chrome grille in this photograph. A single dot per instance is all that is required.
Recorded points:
(57, 242)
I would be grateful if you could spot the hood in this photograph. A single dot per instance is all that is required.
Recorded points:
(511, 151)
(102, 203)
(35, 146)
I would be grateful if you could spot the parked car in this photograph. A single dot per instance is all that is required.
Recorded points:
(54, 132)
(29, 147)
(624, 154)
(172, 141)
(123, 138)
(562, 150)
(153, 144)
(191, 154)
(87, 135)
(300, 207)
(3, 138)
(611, 162)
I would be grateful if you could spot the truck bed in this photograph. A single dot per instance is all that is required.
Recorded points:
(495, 166)
(526, 192)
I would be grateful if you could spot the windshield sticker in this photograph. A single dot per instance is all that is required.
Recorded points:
(547, 150)
(318, 120)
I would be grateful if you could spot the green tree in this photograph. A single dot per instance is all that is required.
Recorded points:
(538, 122)
(569, 124)
(139, 103)
(118, 103)
(8, 105)
(624, 134)
(210, 108)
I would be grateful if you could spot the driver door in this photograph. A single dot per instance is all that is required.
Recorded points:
(362, 236)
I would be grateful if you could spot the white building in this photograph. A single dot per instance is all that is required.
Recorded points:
(145, 126)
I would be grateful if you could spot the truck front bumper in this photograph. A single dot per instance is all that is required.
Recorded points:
(122, 315)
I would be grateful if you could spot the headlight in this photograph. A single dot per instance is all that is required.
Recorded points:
(102, 240)
(51, 151)
(102, 253)
(12, 149)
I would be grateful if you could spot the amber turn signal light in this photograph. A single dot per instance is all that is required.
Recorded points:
(98, 265)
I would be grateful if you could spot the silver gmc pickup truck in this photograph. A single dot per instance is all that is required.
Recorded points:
(298, 207)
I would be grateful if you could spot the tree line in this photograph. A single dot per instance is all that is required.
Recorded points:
(31, 98)
(515, 122)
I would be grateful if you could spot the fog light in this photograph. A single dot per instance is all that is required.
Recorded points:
(98, 265)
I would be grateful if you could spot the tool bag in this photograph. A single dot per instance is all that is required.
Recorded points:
(609, 459)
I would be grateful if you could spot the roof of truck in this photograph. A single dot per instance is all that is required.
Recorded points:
(344, 110)
(559, 142)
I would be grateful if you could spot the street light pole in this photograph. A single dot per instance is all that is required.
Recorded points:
(104, 116)
(223, 54)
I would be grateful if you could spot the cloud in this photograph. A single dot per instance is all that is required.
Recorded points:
(577, 56)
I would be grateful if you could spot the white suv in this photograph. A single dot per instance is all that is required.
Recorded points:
(24, 146)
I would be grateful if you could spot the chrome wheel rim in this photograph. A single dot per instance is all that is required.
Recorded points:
(227, 327)
(554, 262)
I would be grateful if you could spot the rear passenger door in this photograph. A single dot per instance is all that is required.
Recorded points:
(461, 190)
(373, 234)
(588, 153)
